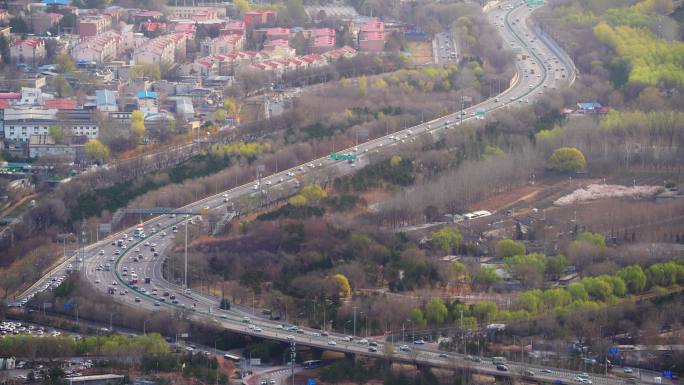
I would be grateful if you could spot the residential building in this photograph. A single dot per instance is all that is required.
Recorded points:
(72, 147)
(322, 40)
(269, 34)
(93, 25)
(344, 52)
(197, 13)
(106, 100)
(222, 44)
(21, 123)
(259, 17)
(30, 96)
(60, 104)
(147, 102)
(161, 50)
(234, 27)
(279, 49)
(41, 22)
(101, 48)
(29, 51)
(147, 16)
(372, 36)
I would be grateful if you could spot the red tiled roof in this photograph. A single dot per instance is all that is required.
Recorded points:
(33, 42)
(184, 27)
(60, 104)
(373, 26)
(259, 12)
(10, 95)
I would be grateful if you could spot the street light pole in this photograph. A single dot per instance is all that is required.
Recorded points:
(185, 275)
(355, 307)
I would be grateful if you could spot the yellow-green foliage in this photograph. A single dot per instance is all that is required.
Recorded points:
(426, 79)
(657, 122)
(575, 16)
(240, 149)
(653, 60)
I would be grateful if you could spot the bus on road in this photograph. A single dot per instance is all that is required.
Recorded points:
(312, 364)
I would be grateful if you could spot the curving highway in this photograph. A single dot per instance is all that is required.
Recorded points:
(110, 267)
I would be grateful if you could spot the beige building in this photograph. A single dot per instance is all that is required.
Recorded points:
(29, 51)
(161, 50)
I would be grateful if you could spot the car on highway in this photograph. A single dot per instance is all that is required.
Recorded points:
(545, 371)
(628, 370)
(419, 342)
(404, 348)
(332, 342)
(502, 368)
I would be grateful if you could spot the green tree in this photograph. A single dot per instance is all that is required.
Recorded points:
(447, 239)
(567, 159)
(508, 248)
(62, 86)
(57, 133)
(634, 277)
(486, 277)
(343, 282)
(595, 239)
(241, 6)
(555, 298)
(65, 63)
(557, 264)
(436, 311)
(597, 289)
(617, 285)
(297, 200)
(529, 301)
(96, 150)
(313, 192)
(578, 292)
(220, 115)
(151, 71)
(527, 268)
(418, 318)
(230, 105)
(484, 311)
(491, 152)
(138, 125)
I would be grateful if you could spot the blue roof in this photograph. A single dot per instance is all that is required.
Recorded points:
(105, 97)
(146, 95)
(589, 105)
(56, 2)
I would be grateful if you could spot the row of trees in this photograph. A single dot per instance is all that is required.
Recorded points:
(122, 347)
(590, 293)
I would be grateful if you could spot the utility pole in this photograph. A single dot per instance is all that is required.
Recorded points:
(355, 307)
(185, 275)
(293, 355)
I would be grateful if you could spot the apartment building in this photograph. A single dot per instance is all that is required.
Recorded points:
(93, 25)
(29, 51)
(101, 48)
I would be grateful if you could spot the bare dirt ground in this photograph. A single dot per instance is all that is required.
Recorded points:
(421, 52)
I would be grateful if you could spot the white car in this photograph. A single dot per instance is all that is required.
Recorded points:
(332, 343)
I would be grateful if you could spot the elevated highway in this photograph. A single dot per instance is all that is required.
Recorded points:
(538, 72)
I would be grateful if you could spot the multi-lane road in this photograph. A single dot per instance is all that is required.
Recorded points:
(109, 267)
